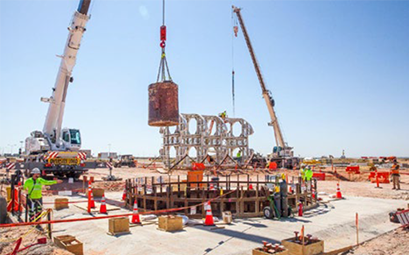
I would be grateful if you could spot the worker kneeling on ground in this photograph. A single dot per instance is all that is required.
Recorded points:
(395, 175)
(34, 186)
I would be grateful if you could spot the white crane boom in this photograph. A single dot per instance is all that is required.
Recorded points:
(53, 136)
(53, 122)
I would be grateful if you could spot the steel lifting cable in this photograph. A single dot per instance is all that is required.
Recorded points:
(163, 66)
(235, 30)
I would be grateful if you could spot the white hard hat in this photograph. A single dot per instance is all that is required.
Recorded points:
(35, 171)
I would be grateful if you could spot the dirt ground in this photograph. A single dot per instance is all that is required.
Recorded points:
(8, 237)
(392, 243)
(351, 185)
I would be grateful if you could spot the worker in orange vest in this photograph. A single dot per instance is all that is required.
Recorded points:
(395, 175)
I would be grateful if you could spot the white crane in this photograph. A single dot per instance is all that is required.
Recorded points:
(282, 149)
(53, 137)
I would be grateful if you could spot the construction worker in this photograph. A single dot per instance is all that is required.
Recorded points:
(34, 186)
(223, 115)
(238, 156)
(395, 175)
(308, 174)
(303, 169)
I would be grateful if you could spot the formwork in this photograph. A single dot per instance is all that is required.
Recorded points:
(242, 196)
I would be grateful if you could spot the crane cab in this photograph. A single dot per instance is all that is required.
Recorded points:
(71, 139)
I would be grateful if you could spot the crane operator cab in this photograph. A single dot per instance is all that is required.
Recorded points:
(71, 139)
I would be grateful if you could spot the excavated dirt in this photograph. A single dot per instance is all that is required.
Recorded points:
(391, 243)
(9, 236)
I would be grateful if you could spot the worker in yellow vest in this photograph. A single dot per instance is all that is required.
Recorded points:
(395, 175)
(238, 156)
(223, 115)
(34, 187)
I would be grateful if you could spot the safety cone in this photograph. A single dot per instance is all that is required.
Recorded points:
(89, 197)
(135, 215)
(91, 202)
(377, 180)
(124, 195)
(211, 186)
(300, 210)
(209, 216)
(103, 208)
(339, 195)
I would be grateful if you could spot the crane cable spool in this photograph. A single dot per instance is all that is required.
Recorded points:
(163, 95)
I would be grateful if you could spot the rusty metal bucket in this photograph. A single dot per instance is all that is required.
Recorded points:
(163, 104)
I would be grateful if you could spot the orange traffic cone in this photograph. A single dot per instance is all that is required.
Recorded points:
(209, 217)
(300, 210)
(135, 215)
(92, 201)
(103, 208)
(89, 197)
(339, 195)
(124, 195)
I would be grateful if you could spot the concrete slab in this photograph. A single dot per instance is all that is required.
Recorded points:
(334, 222)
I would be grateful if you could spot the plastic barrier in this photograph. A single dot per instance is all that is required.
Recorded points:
(353, 169)
(272, 166)
(319, 176)
(383, 177)
(198, 166)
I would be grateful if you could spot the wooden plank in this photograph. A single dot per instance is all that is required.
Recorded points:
(84, 206)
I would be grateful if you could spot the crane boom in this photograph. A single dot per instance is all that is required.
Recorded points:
(266, 93)
(54, 118)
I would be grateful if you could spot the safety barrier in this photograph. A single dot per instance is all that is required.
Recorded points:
(352, 170)
(383, 177)
(108, 216)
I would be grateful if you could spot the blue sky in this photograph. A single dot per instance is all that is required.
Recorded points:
(338, 70)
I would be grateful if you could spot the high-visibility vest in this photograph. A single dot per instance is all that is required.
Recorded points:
(395, 169)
